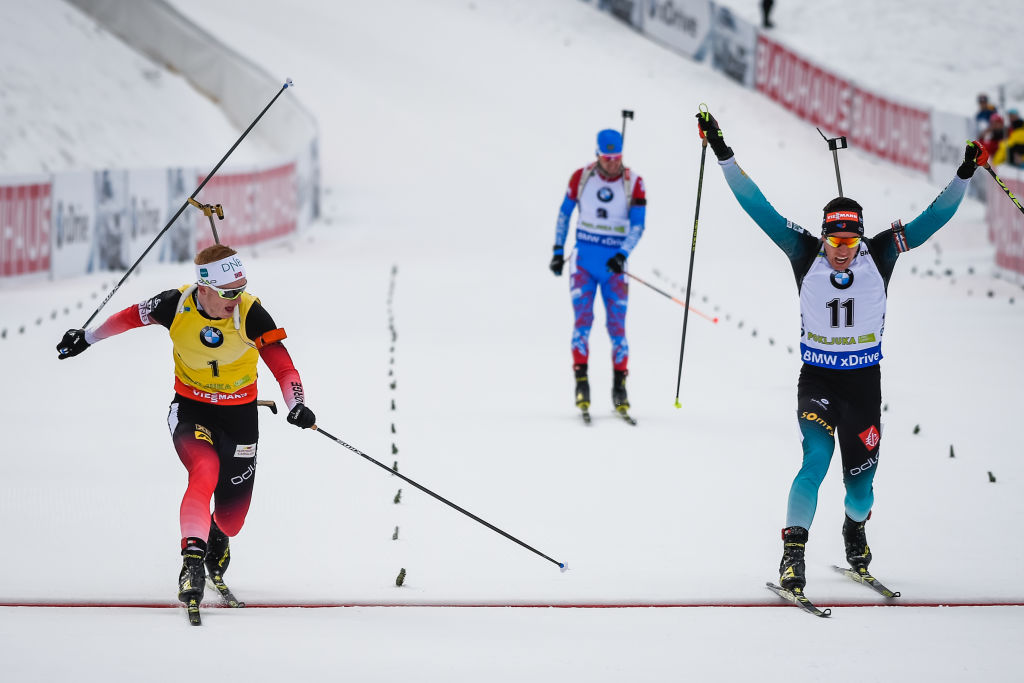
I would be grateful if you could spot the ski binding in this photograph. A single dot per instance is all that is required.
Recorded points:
(798, 598)
(863, 576)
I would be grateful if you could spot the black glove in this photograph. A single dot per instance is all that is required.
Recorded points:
(974, 156)
(72, 344)
(617, 263)
(710, 131)
(557, 261)
(301, 416)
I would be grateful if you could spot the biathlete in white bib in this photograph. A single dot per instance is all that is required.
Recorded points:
(612, 203)
(842, 279)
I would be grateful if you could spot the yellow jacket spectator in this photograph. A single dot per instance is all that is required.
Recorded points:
(1011, 150)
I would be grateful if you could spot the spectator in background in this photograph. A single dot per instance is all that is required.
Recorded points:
(985, 112)
(1015, 120)
(766, 10)
(994, 134)
(1011, 150)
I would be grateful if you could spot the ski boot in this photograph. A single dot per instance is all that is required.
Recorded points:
(192, 579)
(858, 554)
(218, 554)
(792, 575)
(619, 398)
(582, 387)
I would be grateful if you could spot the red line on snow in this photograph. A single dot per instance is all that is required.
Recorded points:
(559, 605)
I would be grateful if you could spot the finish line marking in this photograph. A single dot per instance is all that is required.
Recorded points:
(559, 605)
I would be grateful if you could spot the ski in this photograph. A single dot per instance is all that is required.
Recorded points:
(624, 414)
(798, 598)
(192, 609)
(225, 592)
(584, 411)
(586, 416)
(863, 576)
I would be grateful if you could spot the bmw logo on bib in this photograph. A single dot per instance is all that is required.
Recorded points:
(211, 336)
(605, 194)
(842, 279)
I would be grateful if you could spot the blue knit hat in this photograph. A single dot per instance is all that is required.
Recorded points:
(609, 141)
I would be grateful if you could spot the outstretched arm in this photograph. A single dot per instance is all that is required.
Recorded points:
(790, 237)
(945, 205)
(151, 311)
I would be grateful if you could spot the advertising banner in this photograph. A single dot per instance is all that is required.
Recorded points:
(74, 222)
(805, 89)
(111, 238)
(1006, 223)
(25, 207)
(258, 206)
(307, 172)
(950, 133)
(628, 11)
(178, 243)
(147, 205)
(733, 45)
(897, 132)
(683, 25)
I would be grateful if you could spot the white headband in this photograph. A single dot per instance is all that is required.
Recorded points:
(220, 273)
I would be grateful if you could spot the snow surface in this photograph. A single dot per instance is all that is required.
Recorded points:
(449, 130)
(75, 97)
(938, 53)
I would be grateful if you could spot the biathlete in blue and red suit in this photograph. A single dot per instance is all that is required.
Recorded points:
(612, 204)
(843, 281)
(218, 331)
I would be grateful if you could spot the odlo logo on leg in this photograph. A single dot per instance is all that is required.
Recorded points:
(238, 479)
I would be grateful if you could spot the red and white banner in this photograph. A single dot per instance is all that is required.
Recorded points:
(258, 206)
(25, 228)
(1006, 223)
(894, 131)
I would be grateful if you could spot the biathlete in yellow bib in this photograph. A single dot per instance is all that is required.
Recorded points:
(218, 331)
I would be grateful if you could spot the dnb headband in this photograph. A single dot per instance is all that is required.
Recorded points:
(220, 273)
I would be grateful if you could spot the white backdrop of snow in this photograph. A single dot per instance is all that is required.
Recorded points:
(448, 132)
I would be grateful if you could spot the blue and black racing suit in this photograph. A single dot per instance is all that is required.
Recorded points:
(842, 318)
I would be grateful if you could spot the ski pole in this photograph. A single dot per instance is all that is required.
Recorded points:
(626, 114)
(1005, 188)
(693, 250)
(288, 82)
(666, 294)
(561, 565)
(835, 144)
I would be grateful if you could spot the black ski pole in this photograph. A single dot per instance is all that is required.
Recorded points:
(288, 82)
(1005, 188)
(626, 114)
(693, 250)
(561, 565)
(835, 144)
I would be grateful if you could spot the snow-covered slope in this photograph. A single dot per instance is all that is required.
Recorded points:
(75, 97)
(449, 130)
